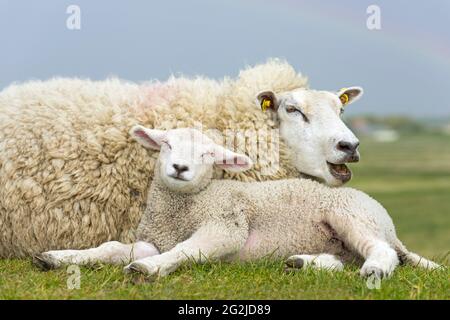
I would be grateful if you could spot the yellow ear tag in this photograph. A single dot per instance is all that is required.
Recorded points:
(266, 103)
(344, 98)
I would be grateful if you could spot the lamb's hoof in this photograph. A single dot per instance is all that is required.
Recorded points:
(150, 271)
(290, 270)
(372, 271)
(135, 268)
(295, 262)
(140, 273)
(43, 262)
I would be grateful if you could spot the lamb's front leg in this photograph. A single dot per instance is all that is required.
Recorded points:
(365, 238)
(210, 242)
(112, 252)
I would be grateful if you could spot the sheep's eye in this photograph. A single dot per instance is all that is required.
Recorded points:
(291, 109)
(167, 144)
(341, 112)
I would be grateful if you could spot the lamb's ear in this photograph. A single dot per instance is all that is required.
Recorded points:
(350, 95)
(231, 161)
(267, 100)
(149, 138)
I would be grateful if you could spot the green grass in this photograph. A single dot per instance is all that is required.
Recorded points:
(261, 280)
(411, 178)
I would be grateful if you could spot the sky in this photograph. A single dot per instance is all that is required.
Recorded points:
(404, 67)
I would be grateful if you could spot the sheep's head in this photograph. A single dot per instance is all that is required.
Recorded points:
(311, 125)
(187, 156)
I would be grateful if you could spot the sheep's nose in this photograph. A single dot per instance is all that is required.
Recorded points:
(351, 149)
(180, 168)
(348, 147)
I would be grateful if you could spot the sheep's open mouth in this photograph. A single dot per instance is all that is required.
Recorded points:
(340, 171)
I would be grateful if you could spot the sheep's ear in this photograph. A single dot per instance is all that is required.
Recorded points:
(267, 100)
(149, 138)
(231, 161)
(350, 95)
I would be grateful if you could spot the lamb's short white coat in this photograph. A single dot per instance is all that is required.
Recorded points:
(195, 217)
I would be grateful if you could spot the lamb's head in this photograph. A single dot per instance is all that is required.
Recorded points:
(311, 126)
(187, 157)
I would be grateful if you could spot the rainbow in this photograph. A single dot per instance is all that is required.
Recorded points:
(413, 41)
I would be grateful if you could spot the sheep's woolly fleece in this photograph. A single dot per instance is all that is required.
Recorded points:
(72, 177)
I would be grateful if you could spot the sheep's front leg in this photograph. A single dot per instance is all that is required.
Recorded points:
(210, 242)
(315, 261)
(367, 240)
(381, 259)
(112, 252)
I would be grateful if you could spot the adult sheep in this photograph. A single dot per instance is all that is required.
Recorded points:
(71, 178)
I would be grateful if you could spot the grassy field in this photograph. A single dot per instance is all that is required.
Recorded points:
(411, 178)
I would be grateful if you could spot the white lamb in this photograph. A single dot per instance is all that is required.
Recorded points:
(193, 216)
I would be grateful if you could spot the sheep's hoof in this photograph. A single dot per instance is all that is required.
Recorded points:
(134, 268)
(290, 270)
(374, 272)
(139, 273)
(43, 263)
(295, 262)
(139, 278)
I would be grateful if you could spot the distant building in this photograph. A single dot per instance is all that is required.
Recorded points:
(385, 135)
(381, 133)
(446, 128)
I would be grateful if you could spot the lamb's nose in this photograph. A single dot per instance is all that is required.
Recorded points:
(180, 168)
(348, 147)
